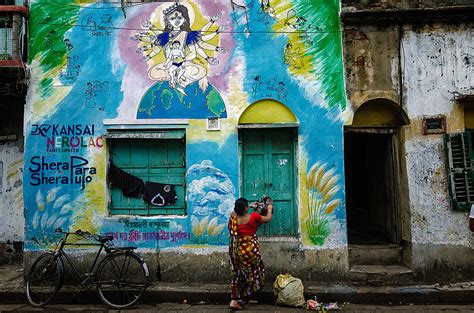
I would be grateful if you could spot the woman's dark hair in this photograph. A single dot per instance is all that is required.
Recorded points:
(184, 11)
(240, 205)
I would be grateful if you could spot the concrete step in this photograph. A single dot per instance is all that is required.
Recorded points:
(388, 254)
(381, 269)
(381, 275)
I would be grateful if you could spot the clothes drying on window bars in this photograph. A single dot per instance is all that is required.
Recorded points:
(159, 194)
(131, 185)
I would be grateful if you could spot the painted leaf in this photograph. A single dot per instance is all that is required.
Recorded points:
(40, 200)
(218, 229)
(35, 220)
(60, 201)
(44, 219)
(331, 206)
(52, 193)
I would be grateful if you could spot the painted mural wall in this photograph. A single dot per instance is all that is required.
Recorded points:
(442, 60)
(167, 63)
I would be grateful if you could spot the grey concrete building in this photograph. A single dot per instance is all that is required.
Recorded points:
(409, 72)
(12, 100)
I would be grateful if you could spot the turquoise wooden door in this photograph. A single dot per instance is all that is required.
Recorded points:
(159, 161)
(268, 167)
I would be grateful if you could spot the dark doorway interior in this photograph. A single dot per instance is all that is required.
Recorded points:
(371, 188)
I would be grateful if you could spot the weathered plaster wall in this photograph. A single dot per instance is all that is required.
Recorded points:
(437, 64)
(11, 200)
(371, 63)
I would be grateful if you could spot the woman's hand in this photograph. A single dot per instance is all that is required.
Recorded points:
(267, 218)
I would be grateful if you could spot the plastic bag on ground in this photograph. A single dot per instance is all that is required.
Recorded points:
(289, 291)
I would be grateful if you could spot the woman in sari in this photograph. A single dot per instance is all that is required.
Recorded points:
(248, 272)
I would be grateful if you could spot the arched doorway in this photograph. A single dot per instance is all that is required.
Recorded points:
(372, 174)
(267, 144)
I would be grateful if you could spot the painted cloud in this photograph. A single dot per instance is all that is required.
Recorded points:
(210, 190)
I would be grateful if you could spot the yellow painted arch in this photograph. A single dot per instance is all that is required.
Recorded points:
(380, 112)
(267, 111)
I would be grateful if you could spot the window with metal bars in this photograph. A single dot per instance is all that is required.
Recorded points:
(6, 38)
(463, 2)
(459, 154)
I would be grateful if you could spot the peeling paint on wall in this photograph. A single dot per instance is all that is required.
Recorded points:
(11, 194)
(441, 63)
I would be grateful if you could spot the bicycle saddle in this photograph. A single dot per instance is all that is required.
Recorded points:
(123, 248)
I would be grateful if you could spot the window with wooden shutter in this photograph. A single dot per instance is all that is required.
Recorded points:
(460, 172)
(156, 160)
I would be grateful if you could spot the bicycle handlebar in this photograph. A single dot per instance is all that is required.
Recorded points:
(99, 238)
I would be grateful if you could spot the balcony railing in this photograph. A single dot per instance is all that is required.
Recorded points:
(12, 35)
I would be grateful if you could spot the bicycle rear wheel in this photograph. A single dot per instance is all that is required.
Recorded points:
(44, 279)
(122, 279)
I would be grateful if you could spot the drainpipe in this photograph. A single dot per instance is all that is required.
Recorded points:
(400, 72)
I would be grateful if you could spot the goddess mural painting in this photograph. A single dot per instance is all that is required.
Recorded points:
(178, 59)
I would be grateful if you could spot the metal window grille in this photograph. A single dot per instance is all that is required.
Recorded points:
(6, 38)
(1, 176)
(464, 2)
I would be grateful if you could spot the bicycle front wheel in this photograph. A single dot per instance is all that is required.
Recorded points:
(122, 279)
(44, 279)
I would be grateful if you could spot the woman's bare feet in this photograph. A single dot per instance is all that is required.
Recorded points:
(234, 305)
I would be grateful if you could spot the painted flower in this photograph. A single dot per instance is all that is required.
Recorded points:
(52, 211)
(322, 186)
(205, 230)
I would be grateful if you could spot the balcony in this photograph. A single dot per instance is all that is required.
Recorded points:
(12, 36)
(406, 11)
(403, 4)
(13, 50)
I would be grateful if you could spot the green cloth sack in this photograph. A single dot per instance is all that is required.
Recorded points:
(289, 291)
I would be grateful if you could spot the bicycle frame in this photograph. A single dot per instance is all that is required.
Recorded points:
(84, 277)
(117, 262)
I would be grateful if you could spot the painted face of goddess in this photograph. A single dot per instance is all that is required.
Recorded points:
(176, 19)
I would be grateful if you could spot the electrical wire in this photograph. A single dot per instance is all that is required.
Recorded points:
(209, 31)
(349, 29)
(116, 4)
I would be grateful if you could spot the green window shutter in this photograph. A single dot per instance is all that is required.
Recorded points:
(155, 160)
(460, 171)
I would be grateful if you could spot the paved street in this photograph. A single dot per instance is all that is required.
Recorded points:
(174, 307)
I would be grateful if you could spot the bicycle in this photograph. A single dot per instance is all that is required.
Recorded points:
(121, 277)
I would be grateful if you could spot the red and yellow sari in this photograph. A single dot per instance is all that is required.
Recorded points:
(248, 272)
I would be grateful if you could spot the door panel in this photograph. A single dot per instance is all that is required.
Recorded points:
(268, 168)
(255, 186)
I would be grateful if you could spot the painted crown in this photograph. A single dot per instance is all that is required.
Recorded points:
(171, 9)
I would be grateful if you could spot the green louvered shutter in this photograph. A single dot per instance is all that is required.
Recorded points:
(161, 161)
(460, 171)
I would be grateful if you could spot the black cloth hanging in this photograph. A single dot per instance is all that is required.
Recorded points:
(131, 186)
(159, 194)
